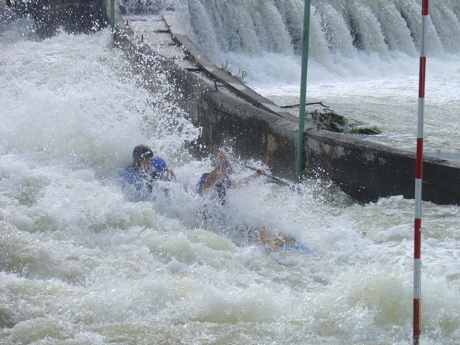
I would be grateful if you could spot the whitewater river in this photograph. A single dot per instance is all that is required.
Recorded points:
(81, 263)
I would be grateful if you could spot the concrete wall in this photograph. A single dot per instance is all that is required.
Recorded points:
(231, 114)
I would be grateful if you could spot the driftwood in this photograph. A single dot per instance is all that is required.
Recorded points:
(298, 105)
(329, 120)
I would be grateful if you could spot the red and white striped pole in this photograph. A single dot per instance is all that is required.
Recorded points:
(418, 178)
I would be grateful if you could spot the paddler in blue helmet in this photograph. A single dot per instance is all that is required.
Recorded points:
(146, 169)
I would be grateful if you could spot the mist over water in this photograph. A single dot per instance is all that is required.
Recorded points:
(81, 263)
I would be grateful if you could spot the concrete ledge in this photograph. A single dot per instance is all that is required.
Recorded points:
(367, 170)
(232, 114)
(207, 66)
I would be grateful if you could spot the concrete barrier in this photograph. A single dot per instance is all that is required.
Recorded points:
(231, 114)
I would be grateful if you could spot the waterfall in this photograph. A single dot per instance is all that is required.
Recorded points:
(337, 27)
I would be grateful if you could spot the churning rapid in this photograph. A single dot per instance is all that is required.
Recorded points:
(83, 263)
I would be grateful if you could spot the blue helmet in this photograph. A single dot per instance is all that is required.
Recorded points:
(142, 151)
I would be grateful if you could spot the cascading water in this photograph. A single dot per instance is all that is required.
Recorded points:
(363, 59)
(81, 263)
(338, 27)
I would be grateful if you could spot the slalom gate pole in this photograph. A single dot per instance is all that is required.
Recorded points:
(112, 14)
(303, 84)
(418, 179)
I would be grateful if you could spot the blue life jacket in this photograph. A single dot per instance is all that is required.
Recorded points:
(144, 179)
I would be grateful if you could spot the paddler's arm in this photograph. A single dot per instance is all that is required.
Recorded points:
(248, 179)
(216, 174)
(171, 174)
(212, 178)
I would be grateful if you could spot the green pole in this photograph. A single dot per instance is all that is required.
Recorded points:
(112, 14)
(303, 83)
